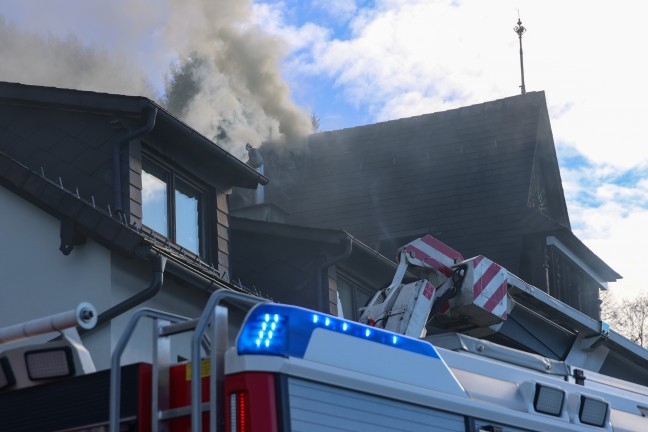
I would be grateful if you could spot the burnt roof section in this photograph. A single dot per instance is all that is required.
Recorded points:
(465, 175)
(171, 133)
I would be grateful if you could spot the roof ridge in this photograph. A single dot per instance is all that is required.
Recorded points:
(476, 107)
(70, 89)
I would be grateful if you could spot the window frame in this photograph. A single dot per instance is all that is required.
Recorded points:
(175, 174)
(356, 284)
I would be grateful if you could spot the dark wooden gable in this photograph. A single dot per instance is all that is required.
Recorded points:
(462, 175)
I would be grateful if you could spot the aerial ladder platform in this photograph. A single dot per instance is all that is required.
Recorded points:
(477, 298)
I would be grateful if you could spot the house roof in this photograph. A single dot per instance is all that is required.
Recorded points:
(463, 175)
(330, 237)
(172, 135)
(268, 251)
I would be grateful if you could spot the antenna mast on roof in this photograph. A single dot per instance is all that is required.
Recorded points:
(520, 29)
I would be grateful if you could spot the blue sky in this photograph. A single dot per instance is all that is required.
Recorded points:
(356, 62)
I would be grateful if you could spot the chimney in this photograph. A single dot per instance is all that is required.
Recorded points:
(255, 160)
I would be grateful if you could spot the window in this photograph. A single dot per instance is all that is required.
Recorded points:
(353, 296)
(172, 205)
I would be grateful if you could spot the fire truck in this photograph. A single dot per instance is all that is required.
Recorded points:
(451, 344)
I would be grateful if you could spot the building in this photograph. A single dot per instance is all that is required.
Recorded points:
(483, 179)
(109, 199)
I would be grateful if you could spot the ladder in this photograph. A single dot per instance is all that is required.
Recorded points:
(592, 344)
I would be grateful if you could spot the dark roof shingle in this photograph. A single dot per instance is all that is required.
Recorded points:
(446, 173)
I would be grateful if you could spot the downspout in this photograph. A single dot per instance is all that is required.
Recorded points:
(322, 271)
(545, 266)
(159, 265)
(117, 152)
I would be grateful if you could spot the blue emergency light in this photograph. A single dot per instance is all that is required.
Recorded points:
(282, 330)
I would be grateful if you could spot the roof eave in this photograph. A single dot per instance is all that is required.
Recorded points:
(321, 235)
(130, 106)
(247, 177)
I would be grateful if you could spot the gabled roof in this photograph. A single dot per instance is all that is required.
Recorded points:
(172, 135)
(463, 175)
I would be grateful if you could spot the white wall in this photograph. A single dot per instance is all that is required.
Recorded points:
(36, 279)
(132, 275)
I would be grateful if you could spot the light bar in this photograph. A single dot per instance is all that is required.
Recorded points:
(49, 363)
(593, 411)
(282, 330)
(548, 400)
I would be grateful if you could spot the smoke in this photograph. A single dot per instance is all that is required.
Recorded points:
(221, 74)
(228, 84)
(28, 58)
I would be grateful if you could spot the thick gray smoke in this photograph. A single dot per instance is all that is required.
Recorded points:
(226, 82)
(68, 63)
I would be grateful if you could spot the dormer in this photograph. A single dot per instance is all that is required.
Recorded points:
(132, 159)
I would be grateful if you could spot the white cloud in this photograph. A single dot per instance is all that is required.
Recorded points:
(271, 17)
(339, 9)
(610, 218)
(618, 236)
(425, 50)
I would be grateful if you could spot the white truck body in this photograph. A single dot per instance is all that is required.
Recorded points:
(343, 383)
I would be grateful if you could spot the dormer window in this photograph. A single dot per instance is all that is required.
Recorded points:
(172, 205)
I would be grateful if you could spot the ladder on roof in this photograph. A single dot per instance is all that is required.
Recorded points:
(215, 318)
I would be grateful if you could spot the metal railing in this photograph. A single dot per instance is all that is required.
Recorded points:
(215, 344)
(218, 314)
